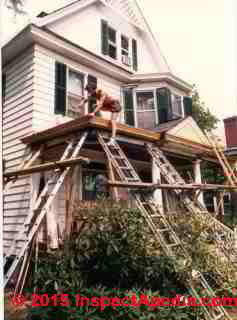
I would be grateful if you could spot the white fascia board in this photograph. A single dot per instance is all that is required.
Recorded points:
(168, 77)
(51, 18)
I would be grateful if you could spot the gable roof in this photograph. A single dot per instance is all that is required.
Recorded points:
(164, 127)
(188, 130)
(127, 9)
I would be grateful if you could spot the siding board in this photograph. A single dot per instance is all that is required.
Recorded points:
(17, 122)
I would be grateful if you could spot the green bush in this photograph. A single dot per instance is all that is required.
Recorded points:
(114, 249)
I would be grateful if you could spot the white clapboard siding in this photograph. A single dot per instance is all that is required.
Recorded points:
(13, 145)
(12, 114)
(22, 70)
(17, 122)
(10, 236)
(16, 197)
(9, 106)
(16, 92)
(16, 212)
(18, 134)
(25, 77)
(20, 189)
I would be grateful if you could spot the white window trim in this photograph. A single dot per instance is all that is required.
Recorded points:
(173, 94)
(84, 76)
(155, 104)
(128, 51)
(135, 91)
(118, 46)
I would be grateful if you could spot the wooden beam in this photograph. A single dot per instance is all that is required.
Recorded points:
(46, 167)
(193, 186)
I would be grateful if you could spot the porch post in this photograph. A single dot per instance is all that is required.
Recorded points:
(156, 177)
(198, 176)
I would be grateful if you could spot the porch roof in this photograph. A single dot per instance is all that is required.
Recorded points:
(86, 122)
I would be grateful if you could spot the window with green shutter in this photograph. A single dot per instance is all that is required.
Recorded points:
(134, 54)
(108, 40)
(129, 116)
(164, 104)
(92, 82)
(188, 106)
(104, 37)
(60, 88)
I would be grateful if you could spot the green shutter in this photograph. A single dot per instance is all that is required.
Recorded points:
(60, 88)
(134, 55)
(188, 106)
(104, 37)
(164, 104)
(3, 86)
(128, 107)
(92, 82)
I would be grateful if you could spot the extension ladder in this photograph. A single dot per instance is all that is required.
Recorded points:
(228, 170)
(42, 205)
(224, 236)
(161, 228)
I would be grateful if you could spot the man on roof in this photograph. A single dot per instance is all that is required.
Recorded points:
(104, 103)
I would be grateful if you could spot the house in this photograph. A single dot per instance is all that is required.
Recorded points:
(45, 69)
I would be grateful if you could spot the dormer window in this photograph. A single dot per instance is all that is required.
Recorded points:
(118, 47)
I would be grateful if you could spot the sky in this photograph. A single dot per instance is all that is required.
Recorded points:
(197, 37)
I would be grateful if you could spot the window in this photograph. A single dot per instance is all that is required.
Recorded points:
(125, 51)
(94, 185)
(74, 93)
(69, 86)
(112, 47)
(128, 54)
(146, 112)
(146, 109)
(176, 106)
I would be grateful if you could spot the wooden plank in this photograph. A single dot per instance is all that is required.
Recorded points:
(193, 186)
(87, 122)
(46, 167)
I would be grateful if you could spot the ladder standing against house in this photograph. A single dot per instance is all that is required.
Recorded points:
(224, 236)
(42, 206)
(159, 225)
(228, 170)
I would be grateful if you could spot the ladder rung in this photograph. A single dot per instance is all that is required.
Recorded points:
(163, 230)
(156, 216)
(173, 245)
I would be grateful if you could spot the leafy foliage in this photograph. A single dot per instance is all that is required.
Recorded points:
(202, 115)
(115, 249)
